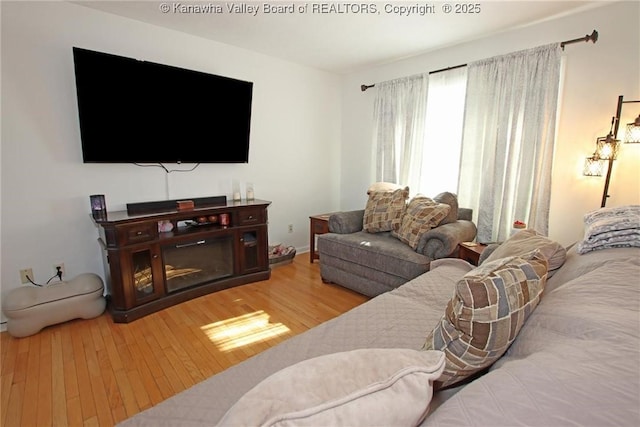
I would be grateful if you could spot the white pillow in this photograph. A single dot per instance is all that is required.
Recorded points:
(359, 387)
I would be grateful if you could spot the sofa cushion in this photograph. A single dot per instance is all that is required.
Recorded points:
(489, 307)
(384, 210)
(376, 252)
(421, 215)
(451, 200)
(357, 387)
(524, 242)
(350, 276)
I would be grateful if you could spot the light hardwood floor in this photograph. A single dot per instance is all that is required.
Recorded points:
(96, 372)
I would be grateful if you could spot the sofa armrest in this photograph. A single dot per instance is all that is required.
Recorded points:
(465, 213)
(443, 240)
(346, 222)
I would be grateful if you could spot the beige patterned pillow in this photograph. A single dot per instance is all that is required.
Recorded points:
(421, 215)
(384, 210)
(488, 309)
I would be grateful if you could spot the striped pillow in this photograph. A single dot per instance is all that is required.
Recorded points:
(489, 307)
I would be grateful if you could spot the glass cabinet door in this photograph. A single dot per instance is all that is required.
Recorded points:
(253, 250)
(144, 283)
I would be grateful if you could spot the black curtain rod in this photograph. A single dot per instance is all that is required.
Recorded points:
(365, 87)
(593, 37)
(589, 37)
(447, 69)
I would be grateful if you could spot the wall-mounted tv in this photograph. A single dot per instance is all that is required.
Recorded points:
(133, 111)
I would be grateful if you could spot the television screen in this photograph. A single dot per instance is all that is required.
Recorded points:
(133, 111)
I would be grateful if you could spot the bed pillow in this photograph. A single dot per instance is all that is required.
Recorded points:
(525, 242)
(489, 307)
(384, 210)
(605, 228)
(371, 386)
(421, 215)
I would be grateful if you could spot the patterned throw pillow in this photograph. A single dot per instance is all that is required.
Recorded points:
(617, 227)
(488, 309)
(421, 215)
(384, 210)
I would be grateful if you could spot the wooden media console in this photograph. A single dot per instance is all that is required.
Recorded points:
(209, 248)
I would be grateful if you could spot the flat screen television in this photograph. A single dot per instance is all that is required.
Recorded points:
(133, 111)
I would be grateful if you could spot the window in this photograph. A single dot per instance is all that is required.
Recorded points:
(507, 105)
(443, 132)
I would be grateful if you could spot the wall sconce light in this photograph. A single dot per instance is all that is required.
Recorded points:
(607, 148)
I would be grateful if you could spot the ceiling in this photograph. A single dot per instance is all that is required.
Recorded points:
(339, 36)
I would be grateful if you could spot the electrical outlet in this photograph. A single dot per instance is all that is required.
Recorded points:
(290, 228)
(23, 275)
(55, 268)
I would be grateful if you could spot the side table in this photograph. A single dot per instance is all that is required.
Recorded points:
(470, 251)
(319, 224)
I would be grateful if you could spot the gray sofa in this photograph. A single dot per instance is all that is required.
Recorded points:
(374, 263)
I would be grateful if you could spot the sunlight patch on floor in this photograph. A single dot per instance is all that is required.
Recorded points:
(243, 330)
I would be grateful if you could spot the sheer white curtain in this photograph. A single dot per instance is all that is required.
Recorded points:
(443, 132)
(398, 131)
(508, 140)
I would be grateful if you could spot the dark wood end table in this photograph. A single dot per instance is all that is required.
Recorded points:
(470, 251)
(319, 224)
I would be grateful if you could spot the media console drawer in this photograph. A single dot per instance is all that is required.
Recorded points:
(251, 216)
(138, 233)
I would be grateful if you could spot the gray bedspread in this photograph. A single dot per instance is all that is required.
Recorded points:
(575, 362)
(401, 318)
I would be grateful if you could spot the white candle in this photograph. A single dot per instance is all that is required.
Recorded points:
(236, 195)
(250, 194)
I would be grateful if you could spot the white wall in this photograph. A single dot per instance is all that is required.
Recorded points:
(295, 137)
(595, 74)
